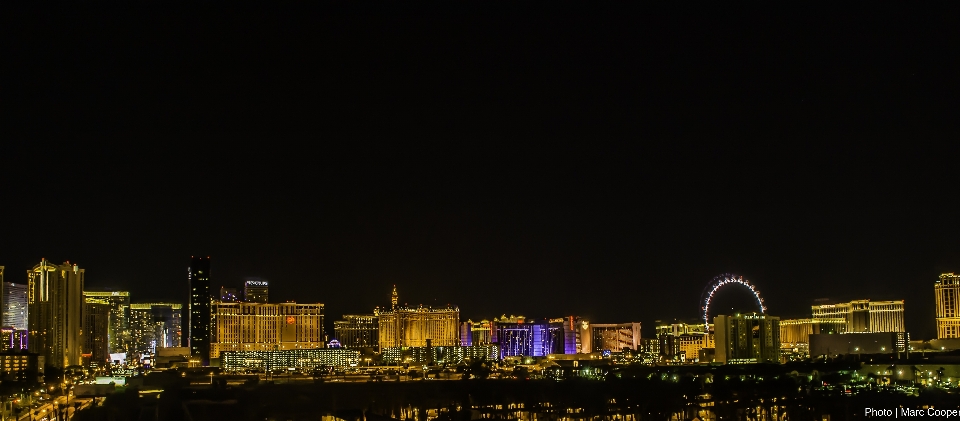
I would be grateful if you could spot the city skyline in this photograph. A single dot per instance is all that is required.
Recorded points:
(746, 302)
(636, 157)
(428, 211)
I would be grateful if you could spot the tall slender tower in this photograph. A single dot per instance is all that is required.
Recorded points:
(948, 306)
(393, 299)
(200, 299)
(55, 308)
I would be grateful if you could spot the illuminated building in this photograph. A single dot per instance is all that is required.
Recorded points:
(301, 359)
(358, 331)
(572, 338)
(405, 326)
(682, 342)
(96, 331)
(795, 335)
(597, 337)
(747, 338)
(229, 295)
(266, 327)
(199, 315)
(19, 366)
(119, 328)
(54, 308)
(529, 338)
(13, 339)
(947, 291)
(422, 355)
(14, 304)
(860, 316)
(476, 333)
(256, 290)
(154, 325)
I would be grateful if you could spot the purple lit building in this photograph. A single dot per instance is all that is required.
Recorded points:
(12, 339)
(534, 338)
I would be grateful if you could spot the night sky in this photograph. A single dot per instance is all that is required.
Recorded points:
(542, 159)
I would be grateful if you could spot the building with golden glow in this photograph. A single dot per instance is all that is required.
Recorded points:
(409, 326)
(682, 342)
(947, 291)
(860, 316)
(96, 332)
(747, 338)
(476, 333)
(597, 337)
(357, 331)
(55, 311)
(118, 331)
(266, 327)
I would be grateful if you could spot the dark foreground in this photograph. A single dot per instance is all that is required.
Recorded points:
(639, 394)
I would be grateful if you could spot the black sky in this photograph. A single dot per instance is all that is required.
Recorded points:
(539, 159)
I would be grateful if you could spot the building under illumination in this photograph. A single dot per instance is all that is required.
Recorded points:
(119, 326)
(860, 316)
(439, 355)
(795, 333)
(947, 292)
(407, 326)
(154, 325)
(19, 366)
(13, 339)
(520, 337)
(14, 304)
(55, 308)
(300, 359)
(599, 337)
(96, 332)
(358, 331)
(266, 327)
(476, 333)
(229, 295)
(256, 290)
(682, 342)
(198, 274)
(747, 338)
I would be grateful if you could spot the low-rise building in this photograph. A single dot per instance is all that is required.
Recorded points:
(858, 343)
(19, 366)
(439, 355)
(301, 359)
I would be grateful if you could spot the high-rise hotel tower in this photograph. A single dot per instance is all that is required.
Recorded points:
(948, 306)
(200, 300)
(55, 306)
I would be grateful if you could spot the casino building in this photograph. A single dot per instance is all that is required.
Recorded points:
(860, 316)
(403, 326)
(948, 306)
(266, 327)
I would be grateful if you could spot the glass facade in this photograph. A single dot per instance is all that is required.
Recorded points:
(14, 305)
(154, 325)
